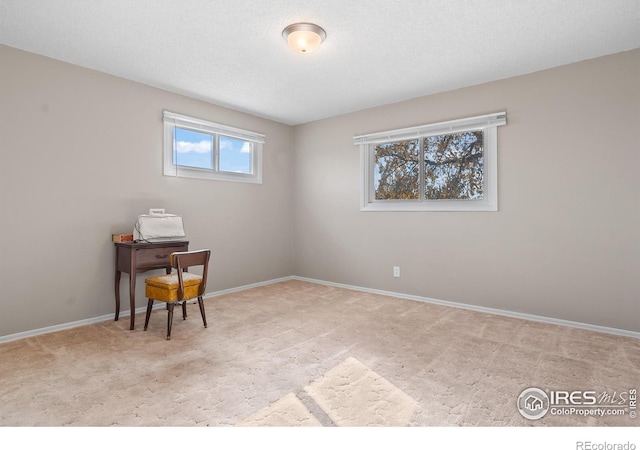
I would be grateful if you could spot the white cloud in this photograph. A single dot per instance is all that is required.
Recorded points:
(196, 147)
(228, 144)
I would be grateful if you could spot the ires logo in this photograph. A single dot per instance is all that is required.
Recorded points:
(575, 398)
(534, 403)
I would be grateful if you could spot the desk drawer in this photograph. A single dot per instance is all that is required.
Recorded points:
(156, 257)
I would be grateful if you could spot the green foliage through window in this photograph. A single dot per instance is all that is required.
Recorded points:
(397, 170)
(452, 167)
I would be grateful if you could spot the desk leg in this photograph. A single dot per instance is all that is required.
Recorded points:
(132, 298)
(117, 287)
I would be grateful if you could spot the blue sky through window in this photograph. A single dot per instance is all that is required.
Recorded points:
(196, 149)
(193, 149)
(235, 155)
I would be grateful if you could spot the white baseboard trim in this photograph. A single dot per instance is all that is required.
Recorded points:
(248, 286)
(77, 323)
(550, 320)
(500, 312)
(127, 313)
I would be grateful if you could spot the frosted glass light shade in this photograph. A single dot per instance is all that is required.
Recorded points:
(304, 37)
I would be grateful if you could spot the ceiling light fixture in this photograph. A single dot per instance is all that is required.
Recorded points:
(304, 37)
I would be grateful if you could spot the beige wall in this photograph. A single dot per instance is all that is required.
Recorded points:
(565, 242)
(81, 158)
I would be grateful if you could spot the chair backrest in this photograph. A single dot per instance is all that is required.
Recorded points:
(183, 260)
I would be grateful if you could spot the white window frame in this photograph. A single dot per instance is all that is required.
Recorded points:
(172, 120)
(489, 123)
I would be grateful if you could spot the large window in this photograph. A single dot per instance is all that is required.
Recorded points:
(196, 148)
(448, 166)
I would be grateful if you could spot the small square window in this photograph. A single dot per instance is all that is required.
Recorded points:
(397, 170)
(235, 155)
(454, 166)
(193, 149)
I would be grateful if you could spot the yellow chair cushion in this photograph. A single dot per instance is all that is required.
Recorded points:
(164, 288)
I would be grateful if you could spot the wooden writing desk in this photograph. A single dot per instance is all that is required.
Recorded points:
(133, 258)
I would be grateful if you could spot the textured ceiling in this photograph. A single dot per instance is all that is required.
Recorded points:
(377, 51)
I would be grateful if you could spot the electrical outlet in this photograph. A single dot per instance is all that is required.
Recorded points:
(396, 271)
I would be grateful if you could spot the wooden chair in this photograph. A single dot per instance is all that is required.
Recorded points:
(180, 286)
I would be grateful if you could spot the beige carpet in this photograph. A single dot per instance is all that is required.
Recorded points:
(298, 353)
(350, 395)
(289, 411)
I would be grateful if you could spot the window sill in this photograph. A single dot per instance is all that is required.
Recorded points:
(186, 172)
(438, 205)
